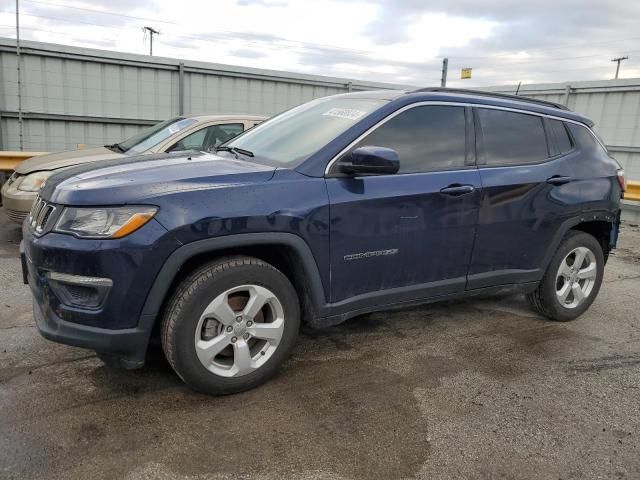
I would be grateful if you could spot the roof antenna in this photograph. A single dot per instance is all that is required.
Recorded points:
(518, 89)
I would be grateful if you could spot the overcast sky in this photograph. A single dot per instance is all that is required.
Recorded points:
(400, 41)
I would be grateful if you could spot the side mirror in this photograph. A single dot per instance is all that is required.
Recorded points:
(370, 160)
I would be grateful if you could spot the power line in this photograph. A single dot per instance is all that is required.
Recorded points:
(303, 46)
(53, 32)
(216, 38)
(542, 61)
(78, 38)
(550, 48)
(94, 10)
(224, 34)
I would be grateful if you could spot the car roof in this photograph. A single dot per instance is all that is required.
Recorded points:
(202, 117)
(479, 97)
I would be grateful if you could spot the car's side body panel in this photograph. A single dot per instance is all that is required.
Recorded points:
(301, 209)
(386, 230)
(519, 214)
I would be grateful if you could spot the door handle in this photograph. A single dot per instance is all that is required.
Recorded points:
(456, 189)
(558, 180)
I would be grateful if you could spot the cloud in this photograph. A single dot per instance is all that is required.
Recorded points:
(400, 41)
(264, 3)
(247, 53)
(530, 39)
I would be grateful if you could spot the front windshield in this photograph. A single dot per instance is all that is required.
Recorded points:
(150, 137)
(293, 136)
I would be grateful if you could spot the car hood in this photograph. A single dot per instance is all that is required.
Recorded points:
(53, 161)
(141, 178)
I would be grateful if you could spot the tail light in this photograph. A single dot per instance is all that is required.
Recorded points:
(622, 181)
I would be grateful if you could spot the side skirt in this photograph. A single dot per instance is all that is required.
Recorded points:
(509, 289)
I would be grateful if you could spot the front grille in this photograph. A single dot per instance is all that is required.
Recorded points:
(40, 215)
(15, 215)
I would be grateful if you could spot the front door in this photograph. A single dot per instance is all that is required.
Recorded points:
(410, 235)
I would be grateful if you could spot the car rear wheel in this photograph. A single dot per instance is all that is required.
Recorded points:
(230, 325)
(572, 279)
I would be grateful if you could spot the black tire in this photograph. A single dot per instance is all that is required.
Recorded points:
(544, 298)
(195, 292)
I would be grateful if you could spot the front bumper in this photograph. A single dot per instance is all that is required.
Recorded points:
(117, 327)
(128, 345)
(16, 203)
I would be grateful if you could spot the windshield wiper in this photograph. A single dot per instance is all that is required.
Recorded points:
(242, 151)
(235, 150)
(116, 148)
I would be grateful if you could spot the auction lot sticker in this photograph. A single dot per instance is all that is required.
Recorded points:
(348, 113)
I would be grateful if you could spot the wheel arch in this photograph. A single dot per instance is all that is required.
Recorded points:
(600, 225)
(287, 252)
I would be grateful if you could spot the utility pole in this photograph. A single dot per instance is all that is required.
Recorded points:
(445, 66)
(618, 60)
(21, 141)
(152, 32)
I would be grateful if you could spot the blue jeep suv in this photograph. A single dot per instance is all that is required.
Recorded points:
(342, 206)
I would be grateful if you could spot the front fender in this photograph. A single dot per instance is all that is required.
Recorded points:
(180, 256)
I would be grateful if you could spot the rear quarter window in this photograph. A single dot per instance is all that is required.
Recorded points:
(585, 139)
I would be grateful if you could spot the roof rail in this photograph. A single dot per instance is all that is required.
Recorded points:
(492, 94)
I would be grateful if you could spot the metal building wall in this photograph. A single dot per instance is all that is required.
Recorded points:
(614, 106)
(74, 96)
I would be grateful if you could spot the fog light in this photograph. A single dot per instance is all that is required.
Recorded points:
(78, 290)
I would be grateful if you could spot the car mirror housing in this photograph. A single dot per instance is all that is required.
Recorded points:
(370, 160)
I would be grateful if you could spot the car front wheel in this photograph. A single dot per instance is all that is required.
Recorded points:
(230, 325)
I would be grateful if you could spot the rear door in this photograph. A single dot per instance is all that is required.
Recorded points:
(409, 235)
(524, 162)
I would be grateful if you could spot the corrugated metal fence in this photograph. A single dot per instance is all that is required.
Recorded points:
(77, 96)
(614, 106)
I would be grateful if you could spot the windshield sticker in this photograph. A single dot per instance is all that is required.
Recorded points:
(348, 113)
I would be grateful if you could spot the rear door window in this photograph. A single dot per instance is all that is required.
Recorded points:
(510, 138)
(561, 141)
(208, 137)
(220, 134)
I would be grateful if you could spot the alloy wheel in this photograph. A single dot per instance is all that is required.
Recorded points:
(576, 277)
(239, 330)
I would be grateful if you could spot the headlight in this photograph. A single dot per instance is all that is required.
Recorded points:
(108, 222)
(33, 181)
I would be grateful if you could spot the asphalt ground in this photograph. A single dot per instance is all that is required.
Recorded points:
(469, 389)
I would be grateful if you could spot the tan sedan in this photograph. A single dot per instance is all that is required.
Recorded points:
(197, 132)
